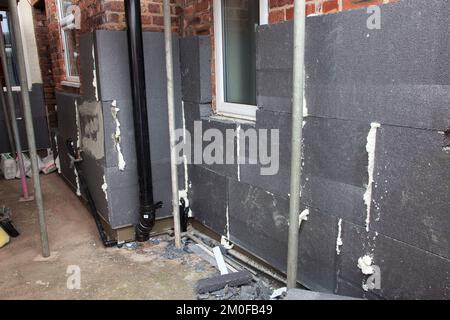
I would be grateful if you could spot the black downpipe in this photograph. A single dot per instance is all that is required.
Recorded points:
(136, 54)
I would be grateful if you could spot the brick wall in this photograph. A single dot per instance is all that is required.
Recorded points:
(283, 10)
(101, 14)
(189, 17)
(196, 17)
(45, 62)
(151, 10)
(54, 37)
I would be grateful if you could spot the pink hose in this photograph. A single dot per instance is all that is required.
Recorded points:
(23, 176)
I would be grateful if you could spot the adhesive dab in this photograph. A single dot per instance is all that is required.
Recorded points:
(339, 242)
(94, 73)
(303, 217)
(370, 148)
(365, 264)
(185, 192)
(105, 187)
(116, 136)
(238, 138)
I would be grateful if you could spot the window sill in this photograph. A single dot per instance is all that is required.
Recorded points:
(227, 118)
(71, 84)
(238, 111)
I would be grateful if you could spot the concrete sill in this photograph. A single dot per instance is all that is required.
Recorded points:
(228, 119)
(71, 84)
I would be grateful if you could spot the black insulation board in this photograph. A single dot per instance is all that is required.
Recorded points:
(88, 68)
(113, 90)
(195, 57)
(67, 129)
(397, 76)
(38, 111)
(410, 195)
(407, 272)
(112, 77)
(381, 78)
(252, 173)
(208, 198)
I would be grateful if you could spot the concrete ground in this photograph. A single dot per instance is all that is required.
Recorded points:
(155, 270)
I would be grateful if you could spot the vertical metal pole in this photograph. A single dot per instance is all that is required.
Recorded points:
(12, 113)
(29, 124)
(171, 112)
(296, 142)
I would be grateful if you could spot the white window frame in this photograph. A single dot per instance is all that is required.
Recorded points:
(224, 108)
(67, 22)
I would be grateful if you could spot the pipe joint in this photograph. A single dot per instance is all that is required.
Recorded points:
(146, 221)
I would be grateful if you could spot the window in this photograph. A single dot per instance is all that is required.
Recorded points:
(9, 49)
(68, 25)
(235, 23)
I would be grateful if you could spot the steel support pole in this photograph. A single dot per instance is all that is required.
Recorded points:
(296, 141)
(171, 113)
(29, 124)
(13, 118)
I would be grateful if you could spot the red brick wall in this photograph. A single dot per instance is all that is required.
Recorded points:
(196, 17)
(56, 50)
(282, 10)
(151, 10)
(189, 17)
(45, 62)
(101, 14)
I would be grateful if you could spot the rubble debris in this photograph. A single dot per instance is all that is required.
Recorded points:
(155, 241)
(218, 282)
(277, 293)
(131, 245)
(203, 296)
(245, 287)
(171, 252)
(248, 292)
(256, 290)
(187, 249)
(226, 293)
(301, 294)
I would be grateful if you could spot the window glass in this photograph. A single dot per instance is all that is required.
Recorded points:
(69, 42)
(71, 54)
(10, 50)
(64, 5)
(240, 18)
